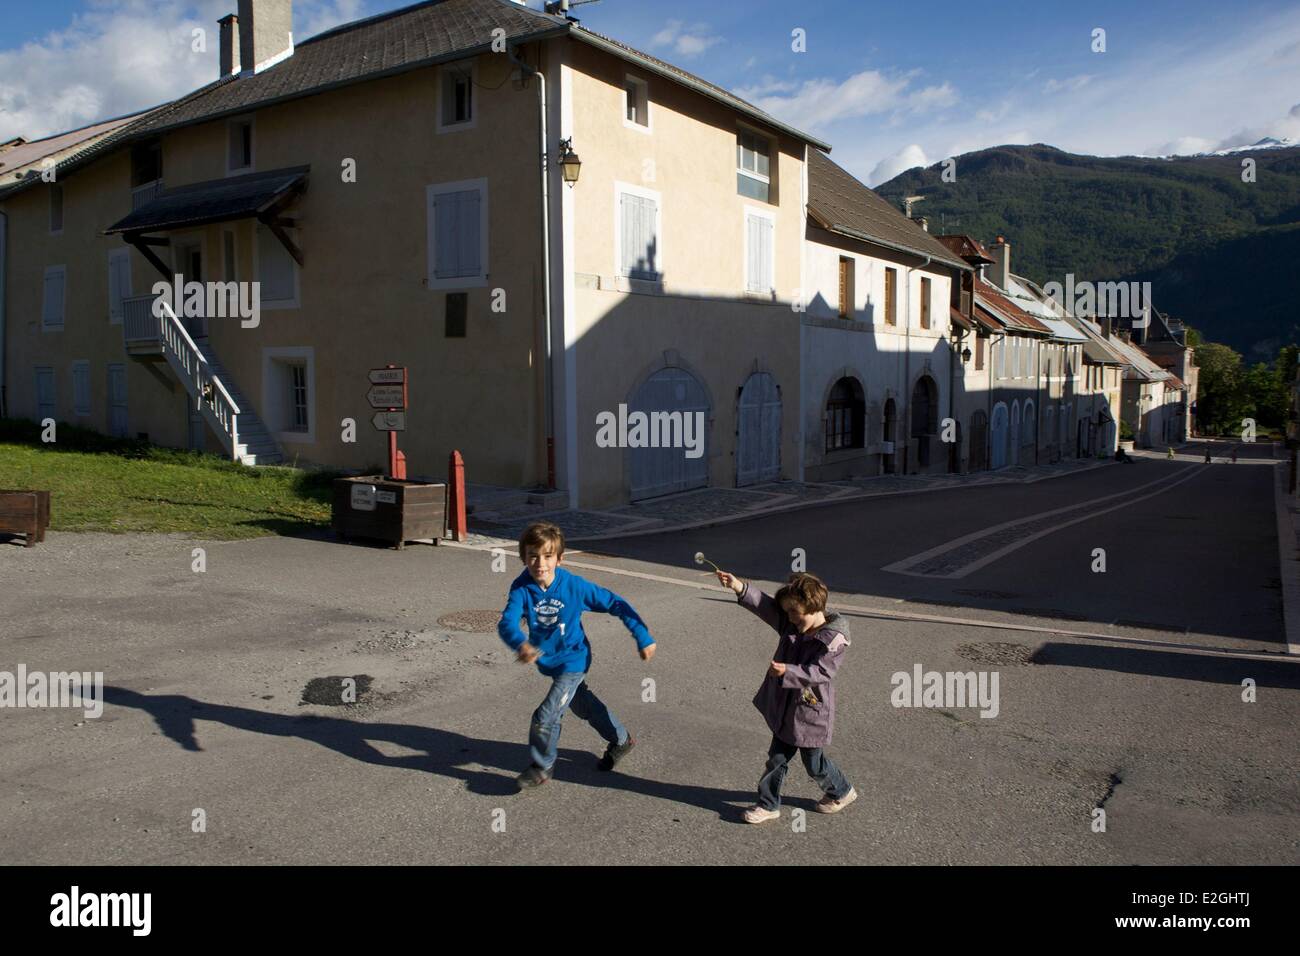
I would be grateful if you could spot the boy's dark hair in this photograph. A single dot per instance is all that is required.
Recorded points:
(805, 590)
(538, 535)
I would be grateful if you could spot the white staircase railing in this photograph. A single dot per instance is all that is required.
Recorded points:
(210, 396)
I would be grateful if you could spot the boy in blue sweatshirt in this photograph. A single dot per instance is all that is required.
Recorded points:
(552, 600)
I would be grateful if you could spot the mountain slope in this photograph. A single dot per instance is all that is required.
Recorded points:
(1220, 252)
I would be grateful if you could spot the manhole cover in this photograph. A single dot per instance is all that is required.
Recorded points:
(996, 652)
(336, 691)
(479, 621)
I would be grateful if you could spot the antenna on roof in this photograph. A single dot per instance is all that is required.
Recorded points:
(561, 7)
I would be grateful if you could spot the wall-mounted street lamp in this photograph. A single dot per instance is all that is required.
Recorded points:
(965, 354)
(570, 164)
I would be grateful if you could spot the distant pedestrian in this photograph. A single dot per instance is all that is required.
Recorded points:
(552, 600)
(797, 698)
(1207, 452)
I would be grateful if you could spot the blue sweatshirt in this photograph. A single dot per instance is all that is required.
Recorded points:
(554, 618)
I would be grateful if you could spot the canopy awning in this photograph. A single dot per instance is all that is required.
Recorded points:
(260, 196)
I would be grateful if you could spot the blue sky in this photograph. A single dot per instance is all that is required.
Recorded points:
(889, 85)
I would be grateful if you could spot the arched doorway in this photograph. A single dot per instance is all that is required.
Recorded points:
(979, 441)
(925, 413)
(1014, 444)
(758, 452)
(664, 470)
(998, 437)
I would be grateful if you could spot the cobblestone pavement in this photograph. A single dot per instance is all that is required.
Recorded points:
(707, 506)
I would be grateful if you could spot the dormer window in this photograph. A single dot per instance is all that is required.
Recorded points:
(240, 152)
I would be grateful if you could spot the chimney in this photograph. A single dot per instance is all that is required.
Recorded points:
(1001, 267)
(922, 222)
(265, 33)
(229, 25)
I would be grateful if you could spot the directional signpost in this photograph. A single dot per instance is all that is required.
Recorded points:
(388, 392)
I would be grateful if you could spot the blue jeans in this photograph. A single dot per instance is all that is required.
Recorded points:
(824, 773)
(569, 690)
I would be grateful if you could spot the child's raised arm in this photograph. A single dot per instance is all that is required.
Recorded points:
(596, 598)
(508, 627)
(755, 599)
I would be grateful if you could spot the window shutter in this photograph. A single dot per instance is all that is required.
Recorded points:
(53, 314)
(114, 289)
(640, 242)
(81, 389)
(467, 220)
(275, 267)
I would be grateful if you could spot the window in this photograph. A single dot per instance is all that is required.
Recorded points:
(456, 98)
(289, 392)
(277, 271)
(979, 351)
(52, 302)
(81, 387)
(457, 234)
(636, 104)
(457, 311)
(925, 303)
(891, 316)
(45, 395)
(845, 414)
(119, 283)
(846, 287)
(56, 208)
(640, 249)
(760, 262)
(239, 155)
(298, 397)
(146, 163)
(752, 165)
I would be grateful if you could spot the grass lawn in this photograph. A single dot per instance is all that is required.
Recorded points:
(104, 484)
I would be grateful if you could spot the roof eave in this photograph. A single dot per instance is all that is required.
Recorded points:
(633, 56)
(884, 243)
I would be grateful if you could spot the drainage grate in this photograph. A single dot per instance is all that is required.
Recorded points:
(481, 622)
(996, 652)
(1051, 612)
(329, 691)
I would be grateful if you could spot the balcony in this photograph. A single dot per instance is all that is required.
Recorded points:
(141, 329)
(145, 193)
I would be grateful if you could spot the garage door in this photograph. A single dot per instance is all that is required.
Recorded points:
(662, 471)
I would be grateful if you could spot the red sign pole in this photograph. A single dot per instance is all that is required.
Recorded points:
(459, 528)
(396, 459)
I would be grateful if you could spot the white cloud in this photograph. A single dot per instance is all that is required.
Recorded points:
(685, 41)
(1183, 146)
(889, 167)
(1068, 85)
(121, 56)
(821, 102)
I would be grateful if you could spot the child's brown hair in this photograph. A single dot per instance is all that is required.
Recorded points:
(805, 590)
(538, 535)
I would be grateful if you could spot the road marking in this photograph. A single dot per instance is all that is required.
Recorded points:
(904, 566)
(887, 614)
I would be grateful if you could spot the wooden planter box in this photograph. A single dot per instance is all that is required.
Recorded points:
(388, 509)
(26, 513)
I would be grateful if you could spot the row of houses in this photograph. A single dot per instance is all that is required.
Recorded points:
(547, 228)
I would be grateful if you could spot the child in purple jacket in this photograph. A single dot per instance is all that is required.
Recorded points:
(797, 698)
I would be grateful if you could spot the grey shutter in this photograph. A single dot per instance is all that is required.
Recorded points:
(52, 317)
(640, 242)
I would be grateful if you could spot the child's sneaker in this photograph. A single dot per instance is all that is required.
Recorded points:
(757, 814)
(532, 777)
(614, 753)
(829, 804)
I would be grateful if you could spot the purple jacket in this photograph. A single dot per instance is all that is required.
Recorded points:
(811, 662)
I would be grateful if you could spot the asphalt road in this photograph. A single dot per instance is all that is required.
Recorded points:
(205, 674)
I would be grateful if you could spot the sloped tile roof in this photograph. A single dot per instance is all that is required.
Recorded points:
(842, 204)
